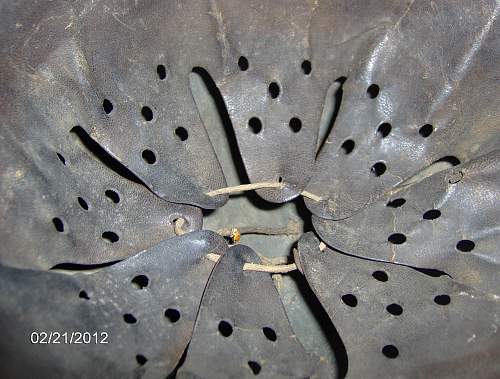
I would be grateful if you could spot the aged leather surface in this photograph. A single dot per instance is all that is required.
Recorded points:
(419, 83)
(434, 64)
(448, 221)
(242, 324)
(398, 322)
(146, 305)
(86, 196)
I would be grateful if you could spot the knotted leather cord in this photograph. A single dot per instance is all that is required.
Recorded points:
(254, 186)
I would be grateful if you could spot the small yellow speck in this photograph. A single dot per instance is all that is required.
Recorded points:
(235, 235)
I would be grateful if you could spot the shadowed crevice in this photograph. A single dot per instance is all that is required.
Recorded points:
(325, 323)
(82, 267)
(331, 108)
(212, 91)
(98, 152)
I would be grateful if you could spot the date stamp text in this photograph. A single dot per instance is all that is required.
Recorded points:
(69, 338)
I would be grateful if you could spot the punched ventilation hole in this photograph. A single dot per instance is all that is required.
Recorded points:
(110, 237)
(147, 113)
(255, 367)
(274, 90)
(83, 295)
(442, 300)
(350, 300)
(225, 328)
(306, 67)
(113, 196)
(390, 351)
(107, 106)
(269, 333)
(255, 125)
(348, 146)
(148, 156)
(431, 214)
(426, 130)
(295, 124)
(161, 71)
(61, 158)
(243, 63)
(396, 203)
(373, 91)
(140, 281)
(381, 276)
(173, 315)
(394, 309)
(397, 238)
(141, 359)
(465, 245)
(83, 203)
(180, 225)
(181, 133)
(129, 318)
(378, 169)
(58, 224)
(384, 129)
